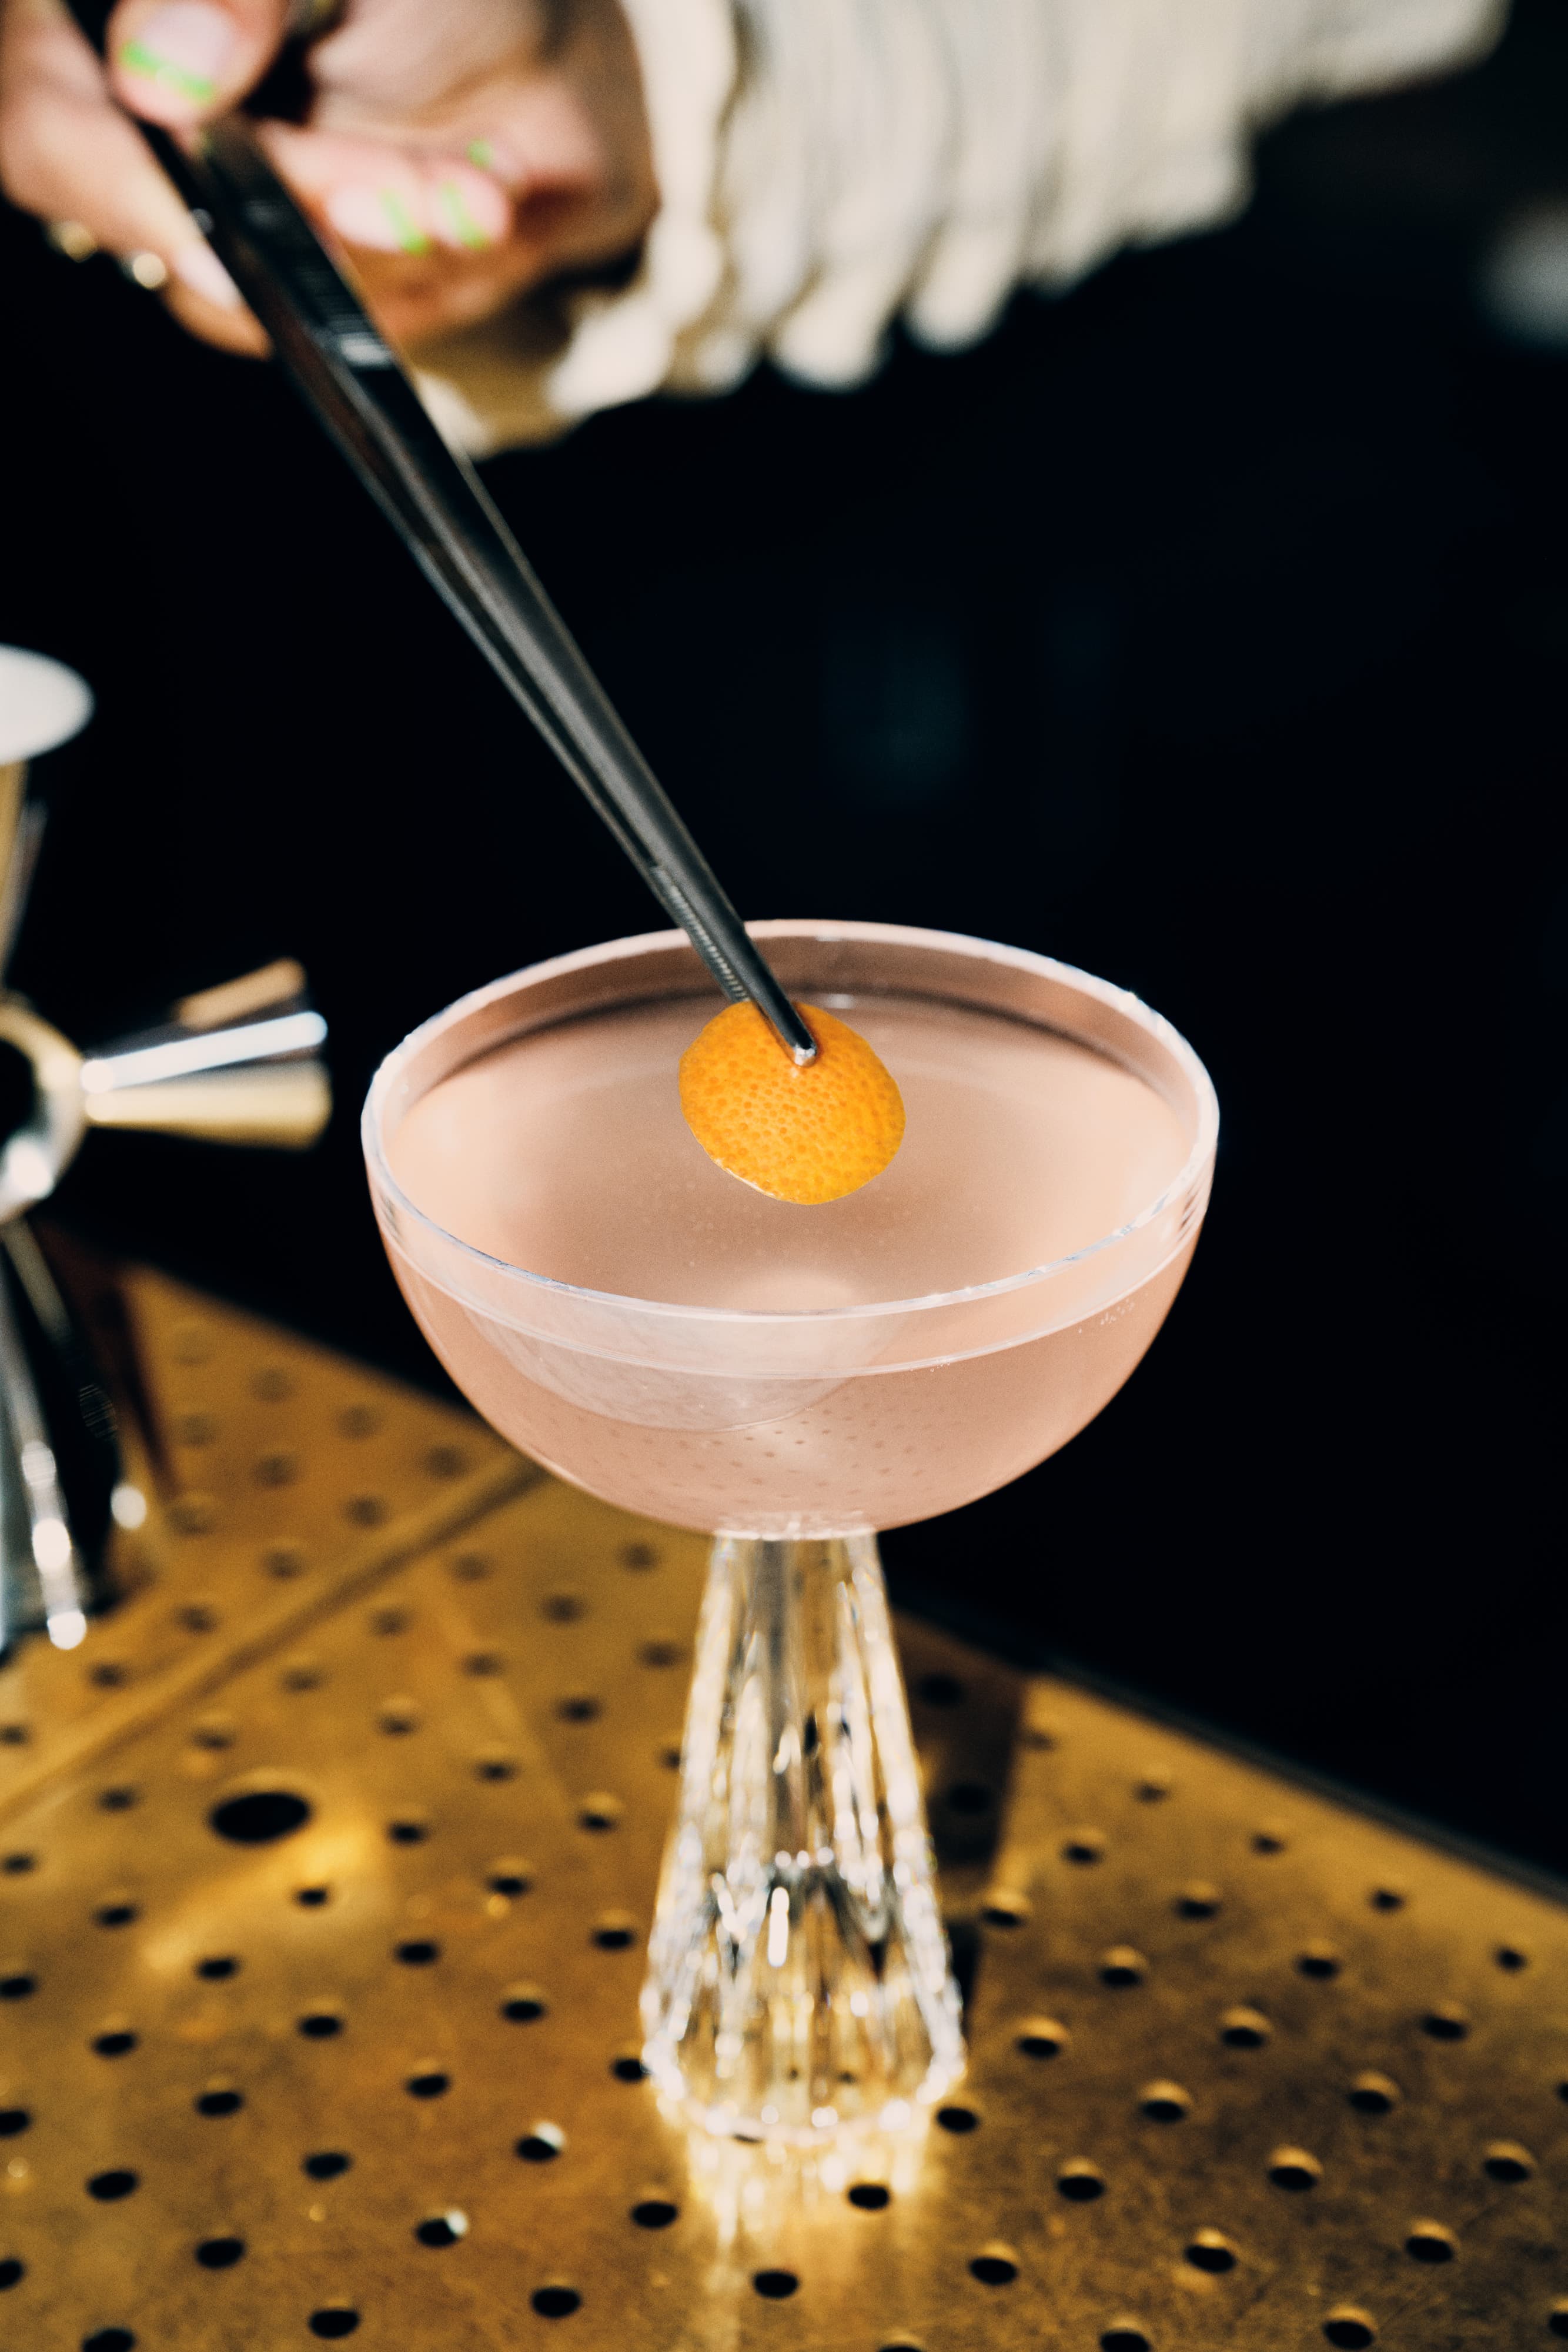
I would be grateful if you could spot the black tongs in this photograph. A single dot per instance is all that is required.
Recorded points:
(360, 390)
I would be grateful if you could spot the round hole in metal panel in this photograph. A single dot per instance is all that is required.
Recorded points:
(259, 1816)
(114, 2041)
(359, 1421)
(1041, 2037)
(417, 1952)
(614, 1931)
(220, 2254)
(320, 2025)
(639, 1556)
(1122, 1967)
(1200, 1900)
(117, 1912)
(563, 1608)
(1512, 1958)
(995, 2265)
(523, 2004)
(542, 2144)
(218, 2101)
(1371, 2094)
(578, 1706)
(312, 1898)
(599, 1810)
(442, 2229)
(775, 2285)
(470, 1568)
(1506, 2160)
(110, 2187)
(109, 2340)
(118, 1800)
(1430, 2242)
(556, 2302)
(12, 2270)
(429, 2082)
(14, 2121)
(655, 2212)
(1164, 2103)
(628, 2068)
(17, 1866)
(14, 1734)
(390, 1620)
(870, 2195)
(1079, 2182)
(484, 1662)
(1004, 1906)
(326, 2164)
(1269, 1838)
(217, 1968)
(398, 1717)
(1557, 2318)
(1293, 2168)
(408, 1829)
(1446, 2022)
(17, 1984)
(1083, 1846)
(1318, 1960)
(1124, 2336)
(283, 1561)
(510, 1876)
(495, 1764)
(958, 2119)
(1211, 2250)
(1388, 1898)
(333, 2320)
(1350, 2328)
(1244, 2028)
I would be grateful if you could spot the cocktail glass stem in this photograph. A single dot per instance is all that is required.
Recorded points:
(799, 1982)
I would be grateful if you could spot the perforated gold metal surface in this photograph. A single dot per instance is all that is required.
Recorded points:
(1248, 2068)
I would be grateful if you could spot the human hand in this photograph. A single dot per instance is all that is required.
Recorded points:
(461, 153)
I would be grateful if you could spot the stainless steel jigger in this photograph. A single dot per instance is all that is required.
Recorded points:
(235, 1063)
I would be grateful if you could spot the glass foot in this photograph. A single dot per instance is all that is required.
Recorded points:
(798, 1983)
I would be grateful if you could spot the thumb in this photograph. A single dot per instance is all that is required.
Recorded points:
(180, 61)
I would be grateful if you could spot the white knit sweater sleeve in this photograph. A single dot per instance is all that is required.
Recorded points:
(825, 166)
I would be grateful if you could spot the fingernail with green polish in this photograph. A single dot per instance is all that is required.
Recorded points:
(138, 59)
(185, 47)
(458, 217)
(411, 238)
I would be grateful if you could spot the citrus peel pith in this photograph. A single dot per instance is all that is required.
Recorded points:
(806, 1134)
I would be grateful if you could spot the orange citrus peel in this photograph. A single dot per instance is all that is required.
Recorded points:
(804, 1134)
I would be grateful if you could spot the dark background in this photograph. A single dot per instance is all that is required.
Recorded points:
(1208, 628)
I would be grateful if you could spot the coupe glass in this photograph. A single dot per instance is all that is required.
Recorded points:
(798, 1984)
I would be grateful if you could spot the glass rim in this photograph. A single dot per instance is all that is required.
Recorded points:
(1105, 993)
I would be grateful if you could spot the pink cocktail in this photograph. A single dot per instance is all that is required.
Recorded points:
(794, 1378)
